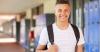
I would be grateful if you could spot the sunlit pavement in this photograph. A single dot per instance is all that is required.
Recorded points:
(7, 40)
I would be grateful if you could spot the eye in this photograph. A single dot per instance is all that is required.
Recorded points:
(59, 10)
(66, 10)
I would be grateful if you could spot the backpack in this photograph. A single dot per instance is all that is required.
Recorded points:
(51, 35)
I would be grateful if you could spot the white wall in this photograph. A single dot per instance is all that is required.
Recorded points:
(49, 6)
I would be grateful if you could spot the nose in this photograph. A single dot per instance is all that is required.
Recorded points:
(63, 13)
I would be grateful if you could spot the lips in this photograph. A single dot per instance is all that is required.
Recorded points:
(62, 16)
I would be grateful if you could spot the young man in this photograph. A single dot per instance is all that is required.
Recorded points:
(64, 37)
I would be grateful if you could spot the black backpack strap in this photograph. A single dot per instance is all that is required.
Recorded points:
(50, 33)
(77, 34)
(76, 31)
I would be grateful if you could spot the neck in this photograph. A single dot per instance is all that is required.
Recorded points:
(62, 25)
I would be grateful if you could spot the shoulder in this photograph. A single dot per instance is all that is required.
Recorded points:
(77, 29)
(80, 31)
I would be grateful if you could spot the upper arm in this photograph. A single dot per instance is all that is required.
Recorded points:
(80, 48)
(80, 42)
(43, 39)
(41, 47)
(81, 39)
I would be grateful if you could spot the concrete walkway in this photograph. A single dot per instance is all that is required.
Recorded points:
(11, 47)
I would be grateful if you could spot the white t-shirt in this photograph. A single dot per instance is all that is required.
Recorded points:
(64, 39)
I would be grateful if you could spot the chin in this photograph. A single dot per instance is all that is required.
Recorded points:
(63, 20)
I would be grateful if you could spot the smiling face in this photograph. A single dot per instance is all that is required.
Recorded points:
(62, 12)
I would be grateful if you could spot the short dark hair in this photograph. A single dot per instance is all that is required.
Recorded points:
(63, 2)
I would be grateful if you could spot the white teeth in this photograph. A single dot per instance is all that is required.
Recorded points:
(61, 17)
